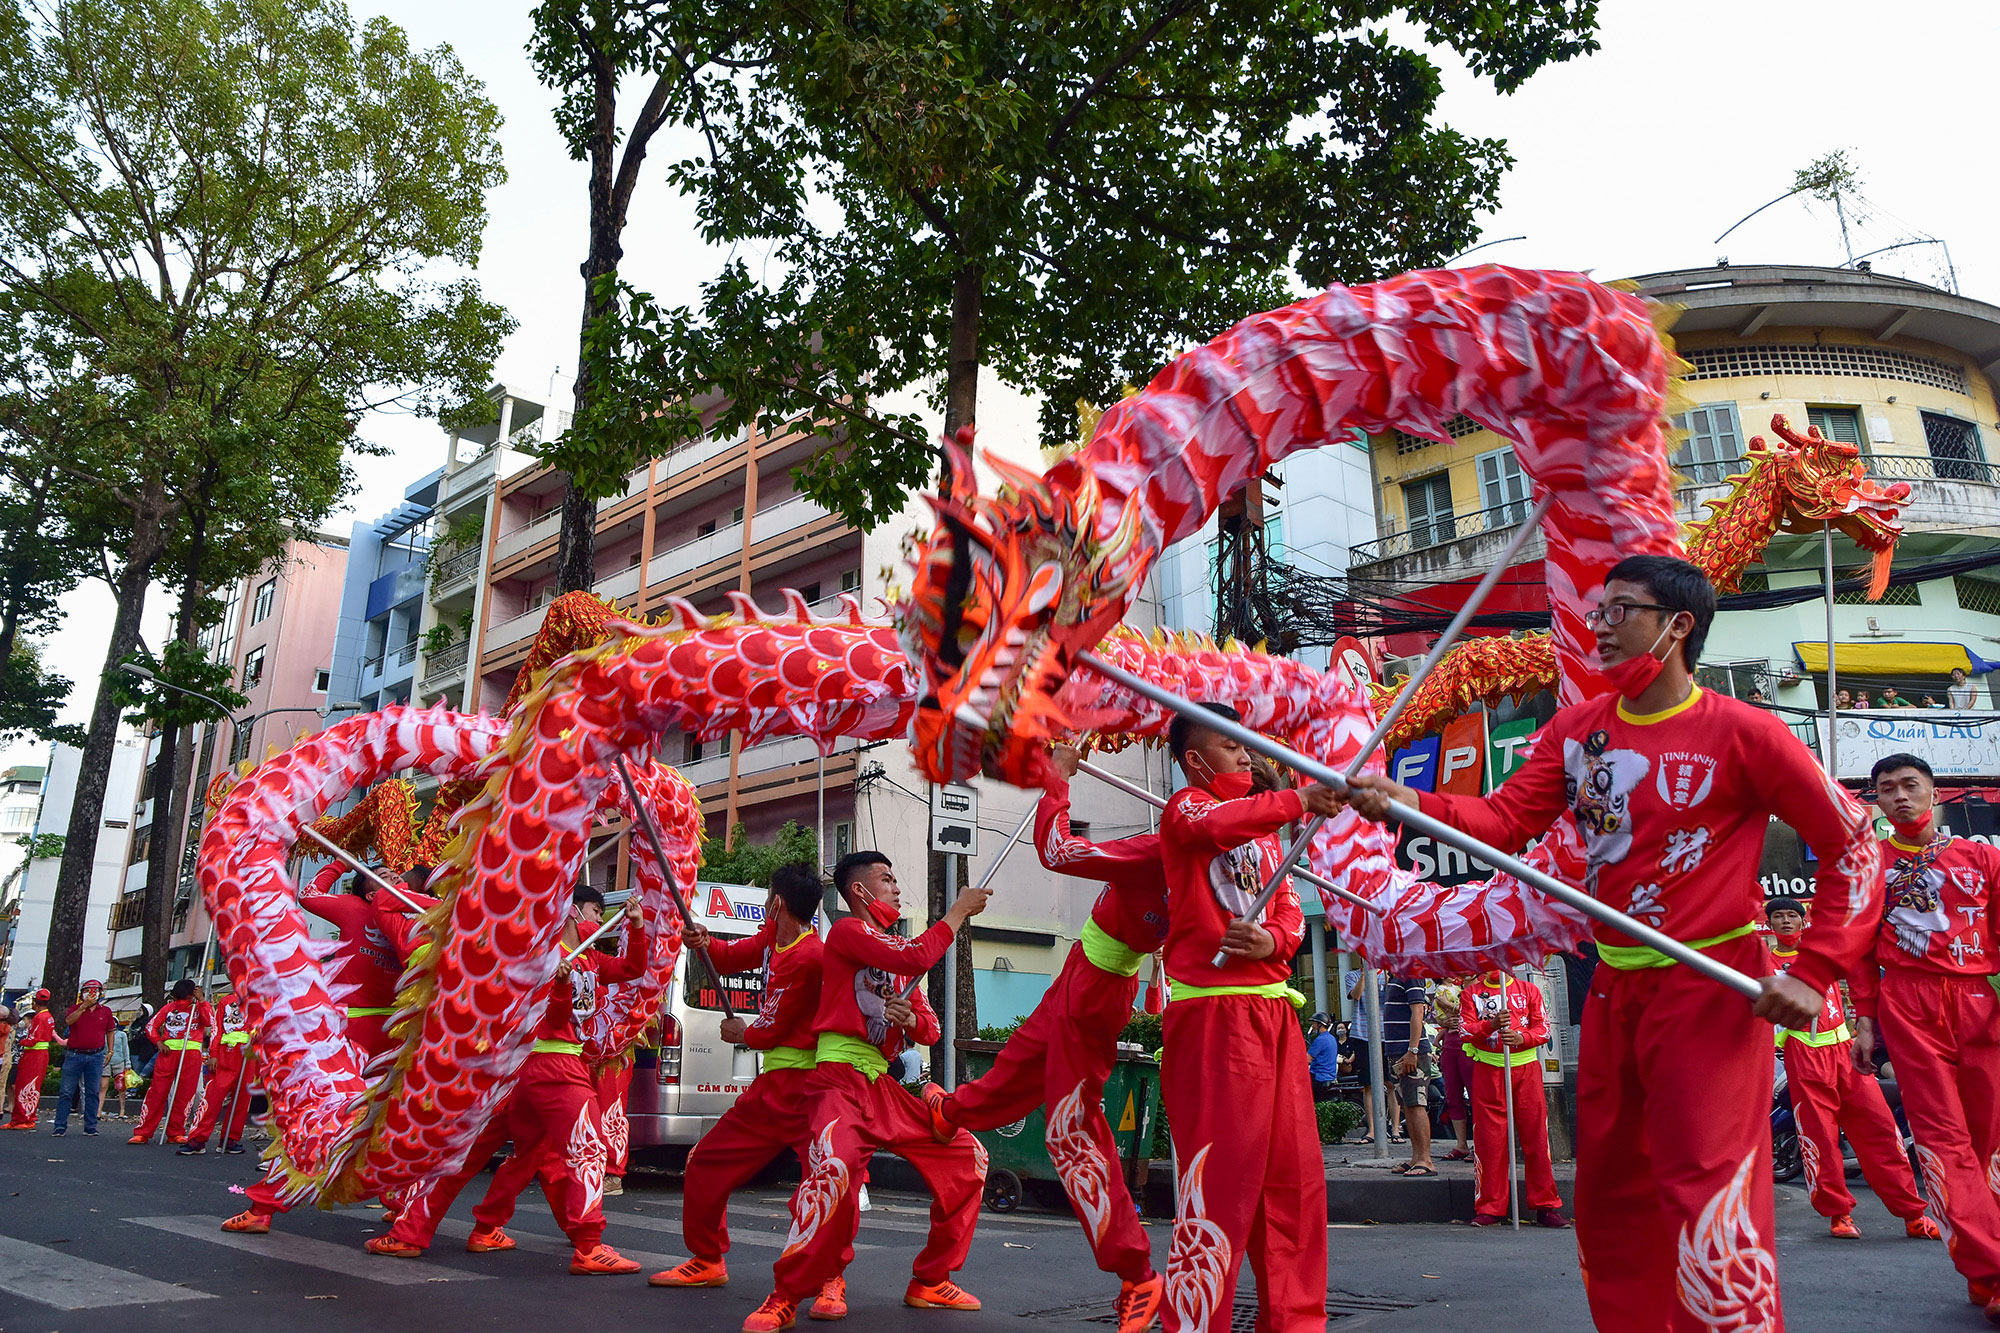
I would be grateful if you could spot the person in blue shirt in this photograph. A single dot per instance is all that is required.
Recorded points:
(1324, 1053)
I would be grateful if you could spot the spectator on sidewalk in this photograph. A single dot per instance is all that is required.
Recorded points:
(118, 1073)
(144, 1050)
(90, 1024)
(1405, 1006)
(1323, 1051)
(1456, 1067)
(1354, 1046)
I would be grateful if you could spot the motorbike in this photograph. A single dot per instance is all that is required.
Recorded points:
(1786, 1161)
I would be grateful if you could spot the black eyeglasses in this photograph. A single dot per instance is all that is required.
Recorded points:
(1614, 614)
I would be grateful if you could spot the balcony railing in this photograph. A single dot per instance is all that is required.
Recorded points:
(523, 626)
(372, 666)
(459, 567)
(407, 653)
(129, 912)
(1439, 529)
(446, 661)
(1911, 467)
(537, 529)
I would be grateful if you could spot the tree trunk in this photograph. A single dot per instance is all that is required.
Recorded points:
(17, 581)
(86, 815)
(961, 396)
(576, 561)
(170, 776)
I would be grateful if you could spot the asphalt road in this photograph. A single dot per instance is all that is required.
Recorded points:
(98, 1235)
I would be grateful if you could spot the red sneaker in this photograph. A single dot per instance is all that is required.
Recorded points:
(602, 1261)
(1979, 1292)
(696, 1272)
(1993, 1311)
(1552, 1218)
(1843, 1228)
(941, 1129)
(775, 1313)
(390, 1247)
(249, 1222)
(488, 1240)
(1488, 1219)
(831, 1303)
(1138, 1304)
(945, 1295)
(1922, 1228)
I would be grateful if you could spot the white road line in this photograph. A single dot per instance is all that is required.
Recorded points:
(870, 1222)
(737, 1235)
(557, 1245)
(349, 1261)
(51, 1277)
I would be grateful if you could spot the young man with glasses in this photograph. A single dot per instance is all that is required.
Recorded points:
(1672, 788)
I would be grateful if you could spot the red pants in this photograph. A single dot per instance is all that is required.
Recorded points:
(1059, 1059)
(1531, 1133)
(1944, 1036)
(227, 1093)
(613, 1082)
(28, 1077)
(182, 1088)
(1456, 1067)
(1830, 1097)
(552, 1119)
(1673, 1158)
(771, 1118)
(850, 1119)
(369, 1032)
(1251, 1183)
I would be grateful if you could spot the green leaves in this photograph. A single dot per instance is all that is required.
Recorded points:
(747, 862)
(184, 665)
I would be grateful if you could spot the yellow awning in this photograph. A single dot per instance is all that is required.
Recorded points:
(1891, 658)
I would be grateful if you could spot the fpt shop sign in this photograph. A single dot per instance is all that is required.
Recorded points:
(1953, 749)
(1470, 758)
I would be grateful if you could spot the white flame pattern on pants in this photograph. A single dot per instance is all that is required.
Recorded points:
(1728, 1277)
(1198, 1259)
(1809, 1159)
(617, 1134)
(1940, 1191)
(1078, 1162)
(586, 1160)
(819, 1194)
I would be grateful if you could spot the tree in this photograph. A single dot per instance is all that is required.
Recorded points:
(243, 224)
(742, 861)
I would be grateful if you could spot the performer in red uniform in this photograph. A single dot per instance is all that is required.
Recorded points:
(1937, 939)
(772, 1116)
(228, 1090)
(36, 1040)
(551, 1117)
(854, 1112)
(1504, 1029)
(1673, 788)
(1061, 1056)
(1831, 1095)
(1235, 1076)
(181, 1028)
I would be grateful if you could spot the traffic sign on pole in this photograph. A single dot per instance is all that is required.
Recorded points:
(955, 818)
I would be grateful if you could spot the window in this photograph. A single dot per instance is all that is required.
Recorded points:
(843, 838)
(253, 667)
(736, 514)
(1981, 595)
(850, 580)
(142, 844)
(633, 561)
(697, 750)
(706, 530)
(322, 678)
(1954, 446)
(1713, 446)
(1503, 486)
(267, 595)
(1901, 594)
(809, 591)
(239, 748)
(1458, 428)
(1842, 424)
(1849, 359)
(1427, 506)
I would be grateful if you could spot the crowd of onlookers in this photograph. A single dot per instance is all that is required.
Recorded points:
(116, 1065)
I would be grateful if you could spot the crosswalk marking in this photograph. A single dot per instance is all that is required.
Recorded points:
(51, 1277)
(540, 1244)
(295, 1249)
(737, 1235)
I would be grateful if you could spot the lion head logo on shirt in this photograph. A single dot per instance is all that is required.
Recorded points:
(582, 993)
(1916, 903)
(1237, 878)
(872, 989)
(1599, 782)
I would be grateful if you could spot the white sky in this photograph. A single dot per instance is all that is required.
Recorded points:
(1629, 161)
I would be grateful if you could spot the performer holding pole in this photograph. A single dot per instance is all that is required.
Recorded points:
(1672, 788)
(31, 1063)
(228, 1067)
(1505, 1024)
(181, 1028)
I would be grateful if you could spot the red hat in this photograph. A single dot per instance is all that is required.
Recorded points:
(93, 984)
(43, 995)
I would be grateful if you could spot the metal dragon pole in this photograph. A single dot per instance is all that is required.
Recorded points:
(666, 872)
(1507, 1082)
(339, 854)
(984, 880)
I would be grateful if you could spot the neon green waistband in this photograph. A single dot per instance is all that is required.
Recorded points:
(1833, 1038)
(1273, 990)
(235, 1038)
(546, 1047)
(369, 1011)
(837, 1048)
(1485, 1057)
(1107, 954)
(791, 1057)
(1637, 957)
(177, 1044)
(37, 1046)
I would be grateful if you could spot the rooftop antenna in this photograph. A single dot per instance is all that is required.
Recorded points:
(1825, 179)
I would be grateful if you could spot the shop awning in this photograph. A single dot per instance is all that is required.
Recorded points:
(1898, 657)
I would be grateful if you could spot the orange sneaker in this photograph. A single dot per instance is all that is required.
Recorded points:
(831, 1303)
(1843, 1228)
(775, 1313)
(391, 1247)
(941, 1129)
(945, 1295)
(1979, 1292)
(136, 1138)
(1138, 1303)
(602, 1261)
(1922, 1228)
(487, 1240)
(696, 1272)
(249, 1222)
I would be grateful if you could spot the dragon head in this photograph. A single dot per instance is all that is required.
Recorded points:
(1824, 481)
(1004, 593)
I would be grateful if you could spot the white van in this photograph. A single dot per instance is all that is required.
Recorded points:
(681, 1087)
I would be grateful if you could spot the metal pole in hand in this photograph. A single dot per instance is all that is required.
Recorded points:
(596, 935)
(1158, 803)
(1378, 1091)
(1529, 526)
(1832, 672)
(951, 877)
(1507, 1081)
(948, 1027)
(673, 889)
(1413, 818)
(348, 858)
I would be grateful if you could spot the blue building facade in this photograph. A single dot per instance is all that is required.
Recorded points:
(382, 602)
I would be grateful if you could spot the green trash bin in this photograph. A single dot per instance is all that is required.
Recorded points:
(1018, 1153)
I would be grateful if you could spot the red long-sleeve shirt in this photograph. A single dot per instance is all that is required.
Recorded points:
(1673, 808)
(41, 1028)
(182, 1020)
(1940, 912)
(1832, 1013)
(570, 1002)
(364, 958)
(1132, 908)
(791, 985)
(1479, 1015)
(397, 921)
(861, 968)
(1217, 855)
